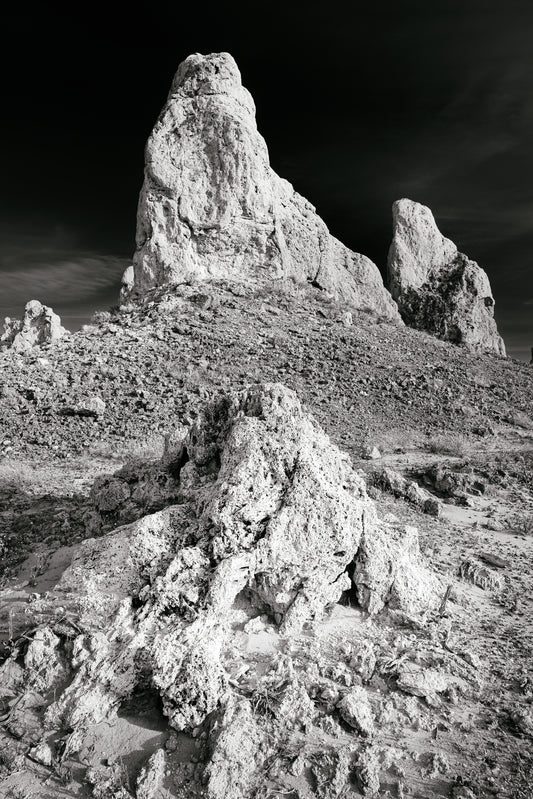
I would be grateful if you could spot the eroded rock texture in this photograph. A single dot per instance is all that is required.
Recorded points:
(39, 325)
(271, 526)
(212, 207)
(437, 288)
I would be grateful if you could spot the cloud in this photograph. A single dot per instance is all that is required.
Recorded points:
(56, 272)
(71, 279)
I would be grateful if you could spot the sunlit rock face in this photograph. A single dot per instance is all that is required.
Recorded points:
(211, 207)
(39, 325)
(437, 288)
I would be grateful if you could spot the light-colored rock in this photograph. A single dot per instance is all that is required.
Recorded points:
(91, 407)
(367, 770)
(276, 511)
(39, 325)
(271, 520)
(43, 661)
(347, 319)
(236, 752)
(11, 678)
(42, 753)
(356, 711)
(371, 453)
(151, 778)
(437, 288)
(522, 717)
(109, 570)
(390, 570)
(425, 683)
(477, 573)
(363, 659)
(211, 207)
(108, 782)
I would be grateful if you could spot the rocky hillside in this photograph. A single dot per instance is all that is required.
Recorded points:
(144, 366)
(347, 706)
(259, 538)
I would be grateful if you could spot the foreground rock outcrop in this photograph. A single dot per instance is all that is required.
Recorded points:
(271, 526)
(212, 207)
(39, 325)
(437, 288)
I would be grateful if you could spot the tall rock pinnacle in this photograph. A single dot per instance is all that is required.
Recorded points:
(211, 207)
(437, 288)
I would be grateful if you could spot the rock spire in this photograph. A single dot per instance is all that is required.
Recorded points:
(437, 288)
(211, 207)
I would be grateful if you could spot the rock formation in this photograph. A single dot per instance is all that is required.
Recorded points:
(272, 526)
(40, 325)
(211, 206)
(437, 288)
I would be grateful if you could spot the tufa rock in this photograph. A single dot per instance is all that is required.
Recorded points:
(42, 753)
(437, 288)
(40, 325)
(236, 752)
(389, 570)
(477, 573)
(356, 711)
(211, 207)
(272, 520)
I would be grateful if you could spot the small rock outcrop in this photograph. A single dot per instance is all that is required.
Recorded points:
(437, 288)
(40, 325)
(211, 207)
(271, 526)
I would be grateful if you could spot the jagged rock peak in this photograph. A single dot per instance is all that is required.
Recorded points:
(211, 207)
(437, 288)
(39, 325)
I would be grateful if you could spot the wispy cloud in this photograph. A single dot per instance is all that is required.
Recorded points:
(55, 272)
(72, 279)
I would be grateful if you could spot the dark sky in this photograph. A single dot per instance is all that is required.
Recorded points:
(360, 103)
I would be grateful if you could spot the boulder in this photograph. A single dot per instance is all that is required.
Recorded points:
(356, 711)
(211, 207)
(423, 682)
(437, 288)
(40, 325)
(390, 570)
